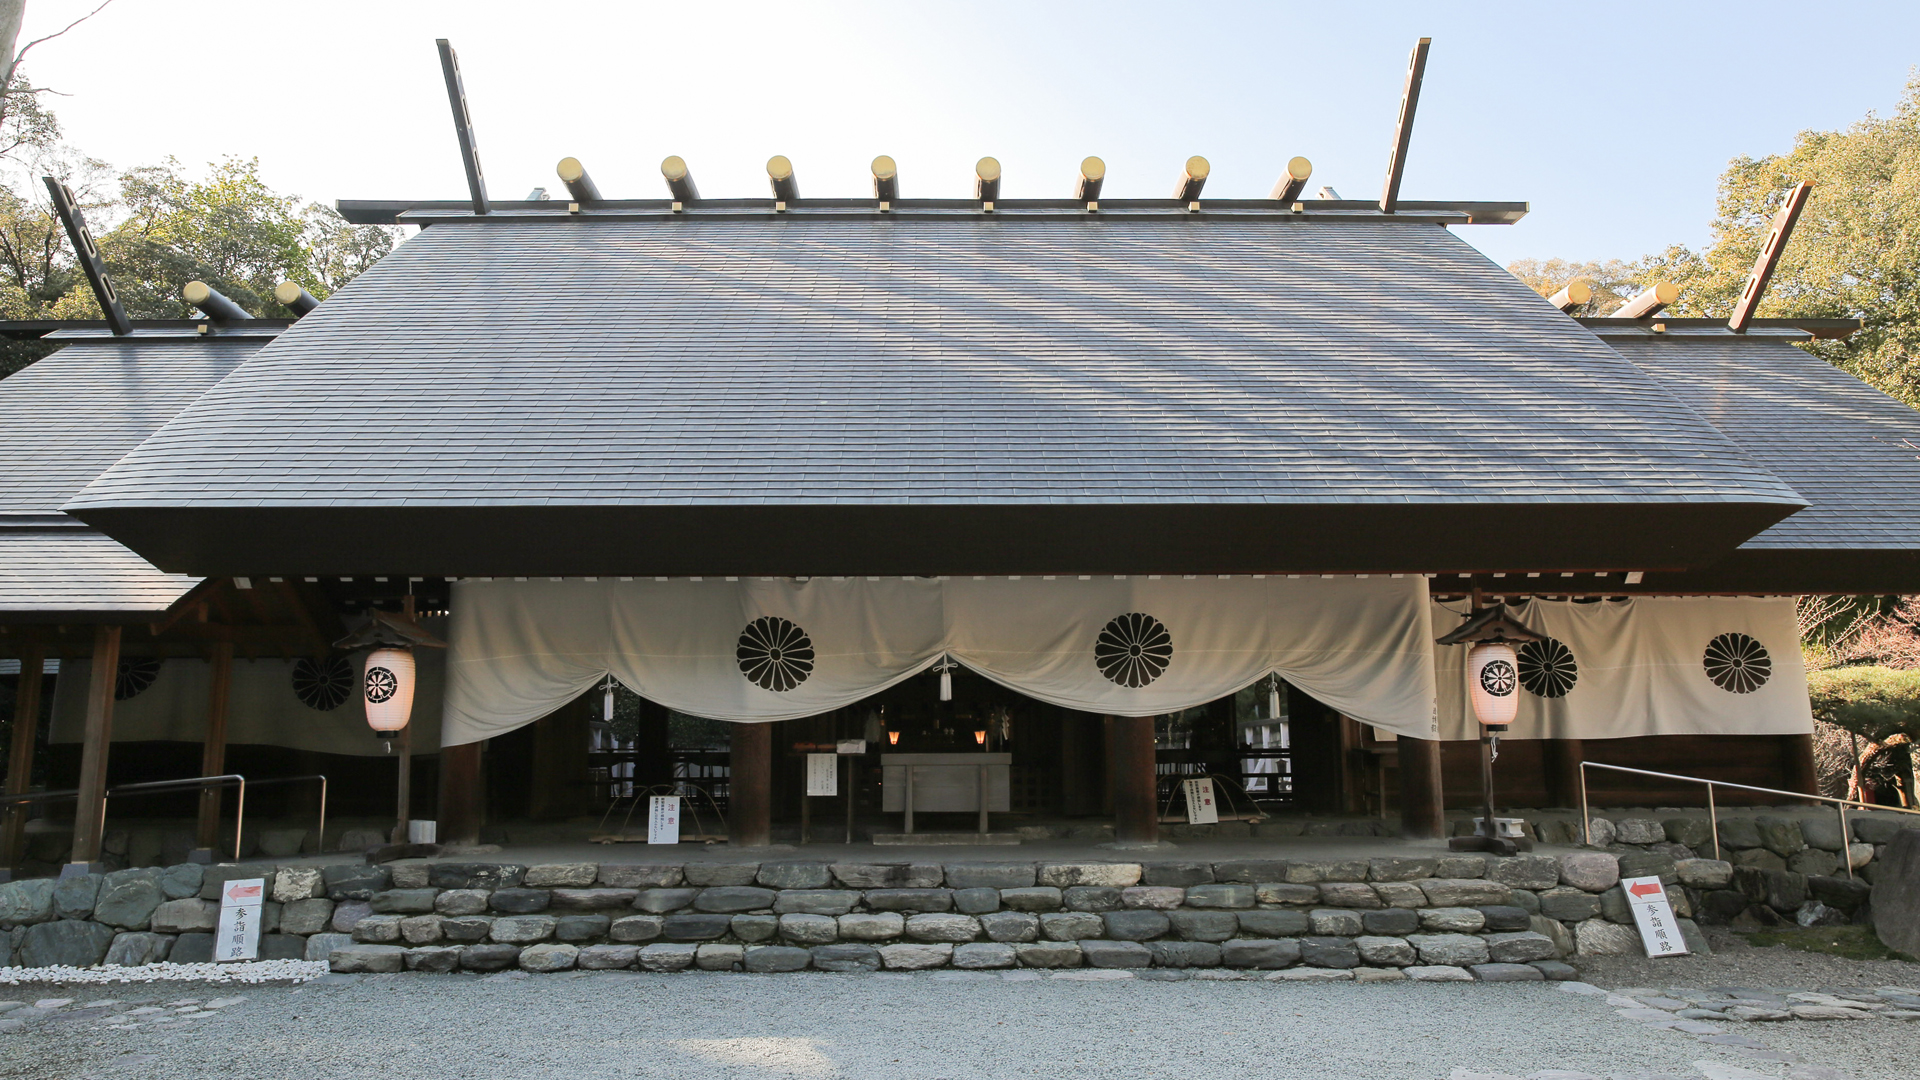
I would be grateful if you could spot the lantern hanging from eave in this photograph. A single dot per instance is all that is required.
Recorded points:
(387, 683)
(1493, 684)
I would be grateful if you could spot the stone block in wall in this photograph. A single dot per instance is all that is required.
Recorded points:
(1392, 922)
(1385, 951)
(461, 902)
(819, 929)
(1525, 871)
(1598, 937)
(1759, 858)
(1400, 869)
(1464, 892)
(754, 929)
(1157, 897)
(188, 916)
(1263, 954)
(815, 901)
(665, 956)
(990, 875)
(1400, 894)
(73, 897)
(976, 901)
(127, 899)
(1525, 899)
(1460, 866)
(136, 948)
(404, 901)
(1721, 905)
(1600, 833)
(348, 913)
(662, 901)
(794, 875)
(636, 928)
(915, 956)
(1881, 828)
(282, 947)
(593, 899)
(695, 927)
(1693, 830)
(1222, 896)
(1250, 871)
(1840, 893)
(368, 958)
(872, 926)
(1522, 947)
(378, 929)
(631, 876)
(1073, 925)
(439, 958)
(1329, 952)
(1569, 904)
(465, 928)
(522, 929)
(1204, 925)
(1858, 855)
(1456, 950)
(769, 958)
(889, 875)
(1649, 864)
(1507, 917)
(1814, 862)
(1180, 874)
(1738, 832)
(562, 875)
(910, 900)
(1335, 922)
(476, 875)
(1010, 926)
(578, 928)
(845, 957)
(1781, 890)
(1115, 954)
(490, 957)
(1636, 830)
(1140, 924)
(983, 955)
(1780, 835)
(1035, 898)
(518, 901)
(1438, 973)
(292, 883)
(1896, 894)
(1350, 894)
(342, 882)
(1588, 871)
(182, 880)
(1267, 923)
(191, 949)
(1090, 898)
(1614, 906)
(1289, 893)
(947, 928)
(1185, 954)
(1498, 972)
(1695, 940)
(1313, 873)
(1049, 954)
(410, 875)
(710, 875)
(321, 946)
(1703, 873)
(607, 957)
(1452, 920)
(421, 929)
(547, 958)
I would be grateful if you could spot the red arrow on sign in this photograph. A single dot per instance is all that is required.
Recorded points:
(241, 892)
(1646, 888)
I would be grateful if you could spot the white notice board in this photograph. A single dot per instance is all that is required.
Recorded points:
(1659, 930)
(1201, 809)
(663, 819)
(238, 937)
(823, 771)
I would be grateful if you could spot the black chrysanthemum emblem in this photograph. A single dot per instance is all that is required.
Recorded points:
(323, 684)
(1133, 650)
(1547, 668)
(382, 684)
(1498, 678)
(775, 654)
(133, 676)
(1738, 663)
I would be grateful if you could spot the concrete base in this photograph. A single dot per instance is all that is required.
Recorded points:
(948, 839)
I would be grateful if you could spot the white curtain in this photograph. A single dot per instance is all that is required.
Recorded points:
(1647, 666)
(776, 649)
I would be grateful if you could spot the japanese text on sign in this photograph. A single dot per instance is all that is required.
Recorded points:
(1659, 930)
(1201, 809)
(238, 934)
(663, 819)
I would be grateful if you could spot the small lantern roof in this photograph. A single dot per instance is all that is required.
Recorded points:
(387, 628)
(1491, 624)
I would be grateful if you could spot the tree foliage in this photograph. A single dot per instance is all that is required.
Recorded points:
(1612, 280)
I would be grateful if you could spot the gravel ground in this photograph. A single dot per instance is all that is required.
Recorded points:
(1736, 963)
(694, 1026)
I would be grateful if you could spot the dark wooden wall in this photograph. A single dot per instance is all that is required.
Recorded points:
(1521, 773)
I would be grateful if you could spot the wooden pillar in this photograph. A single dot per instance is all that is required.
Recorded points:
(1796, 764)
(462, 802)
(213, 751)
(90, 815)
(1083, 765)
(1561, 759)
(1136, 815)
(26, 727)
(750, 802)
(1422, 810)
(560, 759)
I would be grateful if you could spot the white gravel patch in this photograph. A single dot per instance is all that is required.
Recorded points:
(255, 971)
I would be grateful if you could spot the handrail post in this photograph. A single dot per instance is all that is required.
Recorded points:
(320, 835)
(239, 817)
(1586, 828)
(1713, 820)
(1846, 844)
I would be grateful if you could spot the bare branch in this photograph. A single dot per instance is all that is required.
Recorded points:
(23, 49)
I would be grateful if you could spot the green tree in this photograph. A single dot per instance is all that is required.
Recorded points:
(1612, 280)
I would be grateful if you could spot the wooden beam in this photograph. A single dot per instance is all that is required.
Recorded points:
(213, 748)
(986, 179)
(750, 786)
(90, 815)
(679, 179)
(1293, 181)
(1136, 817)
(780, 178)
(1193, 177)
(1575, 293)
(95, 267)
(1649, 303)
(213, 304)
(194, 601)
(886, 179)
(1778, 234)
(1403, 131)
(1796, 764)
(291, 296)
(298, 601)
(1422, 810)
(1093, 173)
(26, 728)
(1562, 758)
(462, 795)
(463, 125)
(581, 187)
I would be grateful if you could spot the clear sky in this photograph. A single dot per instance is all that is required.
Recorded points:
(1614, 121)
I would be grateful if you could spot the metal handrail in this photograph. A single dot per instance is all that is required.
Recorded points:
(148, 787)
(1713, 815)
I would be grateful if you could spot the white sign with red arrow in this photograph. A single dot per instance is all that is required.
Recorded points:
(1659, 930)
(238, 937)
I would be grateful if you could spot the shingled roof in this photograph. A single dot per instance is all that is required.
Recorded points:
(538, 396)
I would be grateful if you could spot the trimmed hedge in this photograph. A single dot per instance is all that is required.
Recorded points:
(1876, 702)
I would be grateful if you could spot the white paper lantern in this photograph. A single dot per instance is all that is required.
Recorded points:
(387, 684)
(1493, 683)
